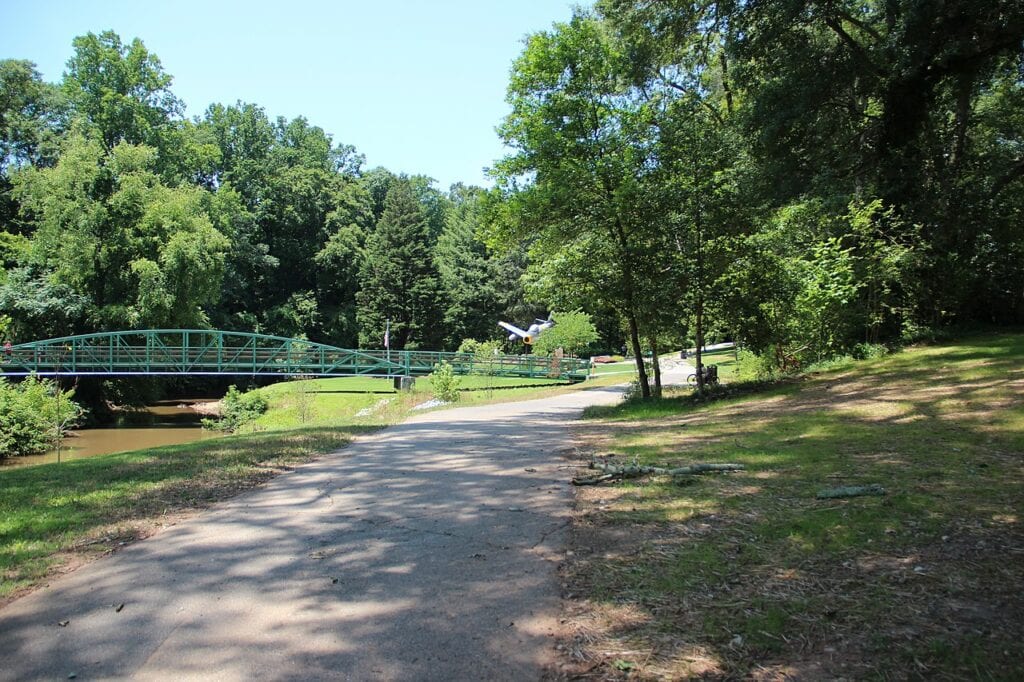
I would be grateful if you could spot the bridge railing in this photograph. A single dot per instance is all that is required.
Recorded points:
(184, 351)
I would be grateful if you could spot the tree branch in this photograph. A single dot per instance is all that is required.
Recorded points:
(681, 88)
(1016, 172)
(857, 48)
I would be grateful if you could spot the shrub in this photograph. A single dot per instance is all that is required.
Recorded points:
(633, 393)
(868, 351)
(237, 409)
(33, 414)
(445, 383)
(751, 365)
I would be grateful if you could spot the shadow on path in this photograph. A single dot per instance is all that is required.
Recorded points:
(427, 551)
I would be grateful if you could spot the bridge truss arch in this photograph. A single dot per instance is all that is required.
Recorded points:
(149, 352)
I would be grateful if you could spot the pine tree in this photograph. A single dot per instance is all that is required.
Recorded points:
(399, 278)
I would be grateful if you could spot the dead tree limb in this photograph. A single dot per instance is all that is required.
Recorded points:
(850, 491)
(618, 472)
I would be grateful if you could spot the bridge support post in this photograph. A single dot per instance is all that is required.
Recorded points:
(404, 383)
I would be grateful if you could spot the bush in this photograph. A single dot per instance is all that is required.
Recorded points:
(237, 409)
(445, 383)
(633, 392)
(762, 367)
(32, 415)
(867, 351)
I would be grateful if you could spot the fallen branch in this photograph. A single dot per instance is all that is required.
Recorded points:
(619, 472)
(850, 491)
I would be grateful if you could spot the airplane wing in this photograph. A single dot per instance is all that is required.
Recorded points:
(522, 333)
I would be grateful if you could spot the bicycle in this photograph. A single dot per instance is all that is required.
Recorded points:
(710, 374)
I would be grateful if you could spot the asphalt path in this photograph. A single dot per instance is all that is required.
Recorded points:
(427, 551)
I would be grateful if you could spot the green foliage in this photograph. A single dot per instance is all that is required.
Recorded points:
(399, 277)
(142, 253)
(468, 346)
(485, 355)
(30, 112)
(237, 409)
(121, 90)
(445, 383)
(471, 278)
(804, 177)
(33, 415)
(572, 332)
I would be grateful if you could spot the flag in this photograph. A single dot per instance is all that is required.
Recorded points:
(387, 334)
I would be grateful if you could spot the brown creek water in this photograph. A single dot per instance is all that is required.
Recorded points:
(169, 422)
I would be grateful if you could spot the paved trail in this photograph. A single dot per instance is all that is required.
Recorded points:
(425, 552)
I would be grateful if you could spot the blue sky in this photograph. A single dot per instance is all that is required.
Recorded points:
(417, 87)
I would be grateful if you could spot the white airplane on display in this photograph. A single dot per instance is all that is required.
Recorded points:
(530, 334)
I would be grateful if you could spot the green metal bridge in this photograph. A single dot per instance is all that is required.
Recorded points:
(149, 352)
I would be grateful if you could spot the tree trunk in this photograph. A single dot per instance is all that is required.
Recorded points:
(655, 363)
(699, 338)
(641, 371)
(699, 305)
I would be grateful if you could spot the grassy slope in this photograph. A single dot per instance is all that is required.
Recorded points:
(56, 515)
(749, 574)
(339, 400)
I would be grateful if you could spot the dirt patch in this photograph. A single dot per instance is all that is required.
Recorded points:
(210, 408)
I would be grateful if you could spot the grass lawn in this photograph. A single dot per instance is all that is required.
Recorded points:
(748, 574)
(370, 400)
(54, 516)
(625, 367)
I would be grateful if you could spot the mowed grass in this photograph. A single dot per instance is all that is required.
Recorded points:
(56, 515)
(371, 400)
(52, 515)
(748, 574)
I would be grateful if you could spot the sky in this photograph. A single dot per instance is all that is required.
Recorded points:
(416, 86)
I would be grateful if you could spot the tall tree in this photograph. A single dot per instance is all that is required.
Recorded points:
(338, 264)
(583, 146)
(469, 275)
(31, 121)
(400, 279)
(865, 99)
(121, 90)
(140, 252)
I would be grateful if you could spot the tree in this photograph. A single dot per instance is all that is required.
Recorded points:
(400, 280)
(122, 91)
(338, 264)
(298, 190)
(109, 231)
(469, 275)
(572, 332)
(583, 144)
(30, 113)
(865, 100)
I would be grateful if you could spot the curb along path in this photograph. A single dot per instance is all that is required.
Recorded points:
(426, 551)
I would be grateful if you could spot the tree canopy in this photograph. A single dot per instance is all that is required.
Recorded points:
(801, 177)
